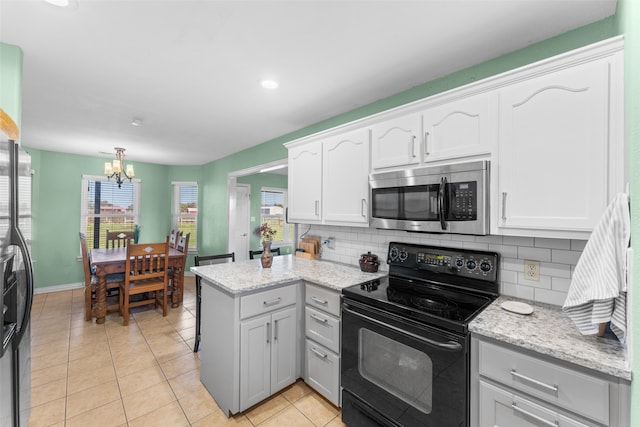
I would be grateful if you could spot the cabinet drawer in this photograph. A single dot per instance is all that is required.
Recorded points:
(501, 408)
(322, 328)
(322, 371)
(564, 387)
(266, 301)
(324, 299)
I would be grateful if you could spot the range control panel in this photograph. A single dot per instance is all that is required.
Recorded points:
(458, 262)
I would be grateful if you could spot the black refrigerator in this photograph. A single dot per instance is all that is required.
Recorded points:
(17, 281)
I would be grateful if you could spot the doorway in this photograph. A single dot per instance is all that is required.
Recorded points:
(239, 231)
(240, 243)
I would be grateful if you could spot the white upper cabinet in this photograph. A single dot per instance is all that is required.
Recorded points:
(345, 169)
(329, 180)
(396, 142)
(459, 128)
(559, 136)
(305, 183)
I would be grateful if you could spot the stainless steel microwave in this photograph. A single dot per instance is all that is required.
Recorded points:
(452, 198)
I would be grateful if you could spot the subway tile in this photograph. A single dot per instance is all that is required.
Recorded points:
(535, 254)
(552, 243)
(555, 270)
(549, 296)
(565, 257)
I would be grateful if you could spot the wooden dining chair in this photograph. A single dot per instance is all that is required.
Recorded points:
(173, 238)
(91, 283)
(146, 274)
(252, 254)
(206, 260)
(119, 239)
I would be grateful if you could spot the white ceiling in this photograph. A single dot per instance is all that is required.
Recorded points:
(190, 70)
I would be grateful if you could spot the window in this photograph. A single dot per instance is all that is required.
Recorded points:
(185, 211)
(107, 207)
(272, 210)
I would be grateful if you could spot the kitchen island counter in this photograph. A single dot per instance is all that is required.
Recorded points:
(247, 276)
(550, 332)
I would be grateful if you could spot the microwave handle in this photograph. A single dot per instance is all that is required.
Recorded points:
(441, 205)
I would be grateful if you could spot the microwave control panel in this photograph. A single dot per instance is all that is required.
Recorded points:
(463, 201)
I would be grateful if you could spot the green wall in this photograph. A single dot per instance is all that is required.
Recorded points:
(11, 81)
(257, 181)
(56, 209)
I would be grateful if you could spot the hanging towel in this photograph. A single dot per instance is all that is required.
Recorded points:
(598, 289)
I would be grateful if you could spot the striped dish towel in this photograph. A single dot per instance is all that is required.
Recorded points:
(598, 289)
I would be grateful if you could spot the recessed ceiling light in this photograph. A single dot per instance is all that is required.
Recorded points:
(59, 3)
(136, 122)
(269, 84)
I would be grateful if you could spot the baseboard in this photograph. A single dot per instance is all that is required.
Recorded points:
(58, 288)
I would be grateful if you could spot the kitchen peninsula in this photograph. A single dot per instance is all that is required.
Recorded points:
(253, 326)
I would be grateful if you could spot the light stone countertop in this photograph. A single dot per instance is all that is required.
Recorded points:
(246, 276)
(551, 332)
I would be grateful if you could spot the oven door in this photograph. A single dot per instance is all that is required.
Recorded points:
(400, 373)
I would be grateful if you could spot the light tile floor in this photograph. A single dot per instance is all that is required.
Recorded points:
(145, 374)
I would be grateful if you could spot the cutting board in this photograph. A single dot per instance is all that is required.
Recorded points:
(310, 246)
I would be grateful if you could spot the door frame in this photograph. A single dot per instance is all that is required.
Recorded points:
(232, 182)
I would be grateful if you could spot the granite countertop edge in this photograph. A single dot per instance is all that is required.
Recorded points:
(248, 276)
(550, 332)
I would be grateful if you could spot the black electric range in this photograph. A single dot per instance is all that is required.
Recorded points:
(405, 339)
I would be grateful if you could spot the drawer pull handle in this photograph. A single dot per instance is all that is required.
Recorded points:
(553, 388)
(319, 353)
(272, 302)
(534, 416)
(320, 301)
(318, 318)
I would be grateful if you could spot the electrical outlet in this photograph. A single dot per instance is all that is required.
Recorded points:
(330, 242)
(532, 270)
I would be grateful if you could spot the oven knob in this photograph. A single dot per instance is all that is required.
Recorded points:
(471, 265)
(403, 255)
(393, 253)
(459, 262)
(485, 266)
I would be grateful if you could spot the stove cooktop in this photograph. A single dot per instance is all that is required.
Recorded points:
(443, 287)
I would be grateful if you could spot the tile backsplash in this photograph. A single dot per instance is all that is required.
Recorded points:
(557, 257)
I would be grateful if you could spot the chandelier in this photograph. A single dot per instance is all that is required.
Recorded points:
(117, 170)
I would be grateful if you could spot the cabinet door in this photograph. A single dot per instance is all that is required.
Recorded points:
(255, 357)
(322, 371)
(458, 129)
(283, 349)
(396, 142)
(305, 182)
(500, 408)
(345, 191)
(553, 152)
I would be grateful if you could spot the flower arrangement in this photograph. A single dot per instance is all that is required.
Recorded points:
(265, 232)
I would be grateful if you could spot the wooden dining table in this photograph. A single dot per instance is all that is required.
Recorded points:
(112, 260)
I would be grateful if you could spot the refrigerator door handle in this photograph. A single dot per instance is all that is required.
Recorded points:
(20, 242)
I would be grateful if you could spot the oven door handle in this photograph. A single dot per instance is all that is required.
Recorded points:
(448, 346)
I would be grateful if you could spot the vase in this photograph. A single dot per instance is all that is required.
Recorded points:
(267, 257)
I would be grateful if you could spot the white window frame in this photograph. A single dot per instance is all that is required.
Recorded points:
(288, 239)
(84, 194)
(175, 208)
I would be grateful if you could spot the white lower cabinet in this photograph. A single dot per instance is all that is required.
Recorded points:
(322, 346)
(267, 355)
(511, 387)
(322, 371)
(251, 344)
(501, 408)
